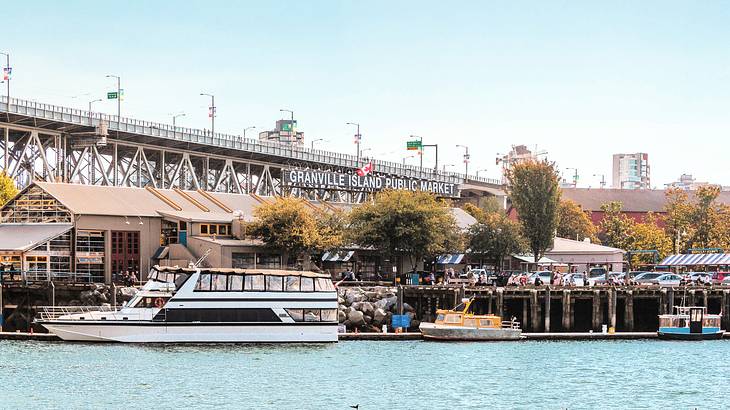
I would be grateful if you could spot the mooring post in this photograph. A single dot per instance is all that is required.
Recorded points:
(566, 310)
(547, 309)
(500, 302)
(670, 301)
(612, 308)
(663, 301)
(524, 312)
(489, 303)
(629, 311)
(597, 319)
(534, 311)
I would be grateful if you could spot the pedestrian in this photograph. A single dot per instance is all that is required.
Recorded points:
(538, 282)
(133, 278)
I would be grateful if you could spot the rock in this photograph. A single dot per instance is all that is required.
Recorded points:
(340, 301)
(408, 308)
(354, 297)
(379, 316)
(341, 316)
(102, 298)
(367, 308)
(368, 319)
(87, 297)
(372, 296)
(347, 310)
(387, 303)
(415, 324)
(356, 318)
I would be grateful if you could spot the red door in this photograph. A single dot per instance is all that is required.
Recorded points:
(125, 252)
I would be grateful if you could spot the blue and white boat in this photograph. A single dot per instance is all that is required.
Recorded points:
(690, 323)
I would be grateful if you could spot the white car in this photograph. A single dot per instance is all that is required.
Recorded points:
(544, 277)
(669, 279)
(576, 279)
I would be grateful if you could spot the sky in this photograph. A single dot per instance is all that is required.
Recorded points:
(581, 80)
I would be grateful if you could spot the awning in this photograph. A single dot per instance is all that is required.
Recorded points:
(531, 259)
(336, 256)
(696, 259)
(21, 237)
(450, 259)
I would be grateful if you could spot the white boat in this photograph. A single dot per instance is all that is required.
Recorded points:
(199, 305)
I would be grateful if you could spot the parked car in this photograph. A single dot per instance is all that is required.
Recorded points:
(726, 281)
(648, 277)
(719, 277)
(576, 279)
(601, 279)
(544, 277)
(669, 279)
(697, 278)
(491, 277)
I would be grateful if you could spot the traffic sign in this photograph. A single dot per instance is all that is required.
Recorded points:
(414, 145)
(112, 95)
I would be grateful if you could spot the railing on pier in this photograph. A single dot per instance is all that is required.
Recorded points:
(54, 312)
(227, 141)
(43, 276)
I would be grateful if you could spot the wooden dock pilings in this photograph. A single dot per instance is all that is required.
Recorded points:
(571, 309)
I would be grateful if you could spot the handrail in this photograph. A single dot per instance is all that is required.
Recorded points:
(124, 124)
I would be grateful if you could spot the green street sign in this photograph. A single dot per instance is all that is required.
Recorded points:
(413, 145)
(112, 95)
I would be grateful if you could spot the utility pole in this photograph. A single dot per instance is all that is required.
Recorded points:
(211, 113)
(603, 179)
(358, 139)
(6, 76)
(119, 99)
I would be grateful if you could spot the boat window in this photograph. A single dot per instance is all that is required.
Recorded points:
(254, 282)
(181, 278)
(296, 314)
(311, 315)
(440, 317)
(329, 315)
(235, 283)
(274, 283)
(203, 282)
(218, 282)
(453, 318)
(291, 284)
(485, 323)
(324, 285)
(470, 322)
(307, 284)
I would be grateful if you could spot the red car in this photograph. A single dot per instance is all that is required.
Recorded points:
(718, 277)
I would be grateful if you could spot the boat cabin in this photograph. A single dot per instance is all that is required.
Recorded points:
(463, 315)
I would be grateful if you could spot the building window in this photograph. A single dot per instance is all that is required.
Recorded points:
(203, 229)
(242, 260)
(215, 229)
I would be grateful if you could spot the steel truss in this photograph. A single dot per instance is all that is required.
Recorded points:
(38, 154)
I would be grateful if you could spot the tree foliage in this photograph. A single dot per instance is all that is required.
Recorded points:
(404, 222)
(620, 231)
(616, 227)
(698, 223)
(535, 193)
(475, 211)
(292, 227)
(574, 222)
(495, 237)
(8, 190)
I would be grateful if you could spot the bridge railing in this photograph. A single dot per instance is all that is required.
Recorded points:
(193, 135)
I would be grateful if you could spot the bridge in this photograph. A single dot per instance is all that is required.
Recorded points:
(59, 144)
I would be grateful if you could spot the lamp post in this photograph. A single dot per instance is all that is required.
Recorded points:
(405, 158)
(575, 176)
(174, 117)
(446, 166)
(91, 102)
(211, 113)
(119, 98)
(313, 141)
(479, 170)
(603, 179)
(246, 129)
(358, 137)
(466, 160)
(7, 73)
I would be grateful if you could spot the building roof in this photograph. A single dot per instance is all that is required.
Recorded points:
(21, 237)
(463, 219)
(569, 246)
(633, 200)
(528, 258)
(209, 217)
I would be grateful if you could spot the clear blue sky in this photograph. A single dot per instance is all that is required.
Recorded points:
(582, 80)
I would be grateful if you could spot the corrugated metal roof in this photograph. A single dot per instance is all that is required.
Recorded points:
(563, 245)
(463, 219)
(21, 237)
(200, 216)
(697, 259)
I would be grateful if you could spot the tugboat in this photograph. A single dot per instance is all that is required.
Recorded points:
(460, 323)
(690, 323)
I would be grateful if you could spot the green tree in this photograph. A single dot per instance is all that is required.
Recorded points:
(649, 236)
(678, 218)
(496, 237)
(574, 222)
(399, 222)
(535, 193)
(8, 190)
(291, 227)
(616, 227)
(705, 218)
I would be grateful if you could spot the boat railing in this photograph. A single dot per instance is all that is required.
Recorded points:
(54, 312)
(510, 324)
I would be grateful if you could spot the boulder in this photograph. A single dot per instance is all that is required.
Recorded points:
(356, 318)
(408, 308)
(387, 303)
(366, 308)
(379, 316)
(415, 324)
(368, 319)
(341, 316)
(372, 296)
(354, 297)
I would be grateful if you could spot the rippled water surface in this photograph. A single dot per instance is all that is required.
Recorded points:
(375, 375)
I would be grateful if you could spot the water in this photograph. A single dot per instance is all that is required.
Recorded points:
(375, 375)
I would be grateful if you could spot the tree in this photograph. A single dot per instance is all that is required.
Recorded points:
(678, 218)
(616, 227)
(496, 237)
(475, 211)
(291, 227)
(401, 222)
(574, 223)
(8, 189)
(649, 236)
(535, 193)
(705, 218)
(486, 206)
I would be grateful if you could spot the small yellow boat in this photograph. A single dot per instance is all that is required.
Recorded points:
(462, 324)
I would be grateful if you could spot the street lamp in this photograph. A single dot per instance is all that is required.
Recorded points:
(466, 160)
(91, 102)
(6, 75)
(358, 137)
(246, 129)
(211, 112)
(174, 116)
(575, 176)
(479, 170)
(405, 158)
(603, 179)
(313, 141)
(119, 98)
(447, 165)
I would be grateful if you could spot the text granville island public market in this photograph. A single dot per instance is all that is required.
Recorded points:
(336, 180)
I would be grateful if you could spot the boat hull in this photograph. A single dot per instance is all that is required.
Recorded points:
(161, 332)
(691, 336)
(431, 331)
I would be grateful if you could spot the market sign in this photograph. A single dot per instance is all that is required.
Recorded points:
(308, 178)
(414, 145)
